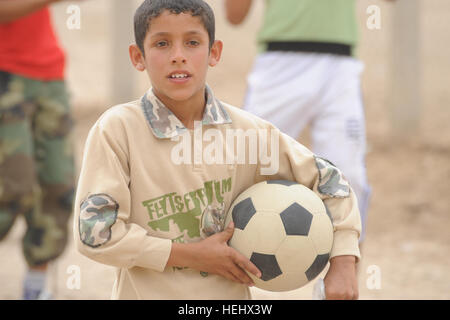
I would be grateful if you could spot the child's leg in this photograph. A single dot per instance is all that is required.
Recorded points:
(47, 235)
(338, 132)
(19, 190)
(18, 179)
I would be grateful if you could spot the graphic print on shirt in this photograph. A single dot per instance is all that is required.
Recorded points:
(185, 210)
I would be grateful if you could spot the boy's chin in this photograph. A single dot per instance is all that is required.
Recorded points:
(180, 95)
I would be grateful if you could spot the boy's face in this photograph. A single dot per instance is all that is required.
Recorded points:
(177, 57)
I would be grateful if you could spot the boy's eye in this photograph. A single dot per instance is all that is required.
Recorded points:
(193, 43)
(161, 43)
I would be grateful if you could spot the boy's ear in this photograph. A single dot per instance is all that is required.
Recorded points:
(216, 52)
(137, 58)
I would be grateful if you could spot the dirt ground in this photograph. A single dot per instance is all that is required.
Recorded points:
(408, 243)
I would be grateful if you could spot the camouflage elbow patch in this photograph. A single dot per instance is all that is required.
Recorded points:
(212, 220)
(331, 181)
(97, 215)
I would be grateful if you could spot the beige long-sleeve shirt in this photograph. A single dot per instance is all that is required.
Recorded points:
(146, 180)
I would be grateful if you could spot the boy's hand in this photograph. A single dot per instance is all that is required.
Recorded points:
(215, 256)
(340, 281)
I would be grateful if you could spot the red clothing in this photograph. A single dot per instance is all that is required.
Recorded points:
(28, 47)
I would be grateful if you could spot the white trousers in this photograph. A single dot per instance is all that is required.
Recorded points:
(292, 89)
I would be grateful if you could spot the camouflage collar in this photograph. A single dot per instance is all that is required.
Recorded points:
(165, 124)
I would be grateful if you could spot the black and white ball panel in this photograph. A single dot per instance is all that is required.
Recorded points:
(296, 220)
(242, 212)
(317, 266)
(267, 264)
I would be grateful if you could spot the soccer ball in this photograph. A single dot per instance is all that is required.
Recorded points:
(285, 230)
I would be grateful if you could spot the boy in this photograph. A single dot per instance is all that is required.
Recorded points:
(142, 209)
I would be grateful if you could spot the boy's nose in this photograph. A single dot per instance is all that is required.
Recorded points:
(178, 56)
(178, 60)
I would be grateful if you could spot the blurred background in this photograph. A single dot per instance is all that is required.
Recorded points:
(406, 252)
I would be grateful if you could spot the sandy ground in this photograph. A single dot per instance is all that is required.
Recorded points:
(408, 243)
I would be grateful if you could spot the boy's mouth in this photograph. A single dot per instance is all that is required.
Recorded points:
(179, 75)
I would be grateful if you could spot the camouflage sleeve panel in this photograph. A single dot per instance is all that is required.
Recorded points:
(331, 181)
(97, 215)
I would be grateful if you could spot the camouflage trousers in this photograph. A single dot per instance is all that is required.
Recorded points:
(36, 164)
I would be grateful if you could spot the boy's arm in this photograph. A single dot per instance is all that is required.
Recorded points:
(299, 164)
(11, 10)
(237, 10)
(340, 280)
(103, 229)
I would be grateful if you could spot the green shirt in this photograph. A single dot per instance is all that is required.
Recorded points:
(309, 20)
